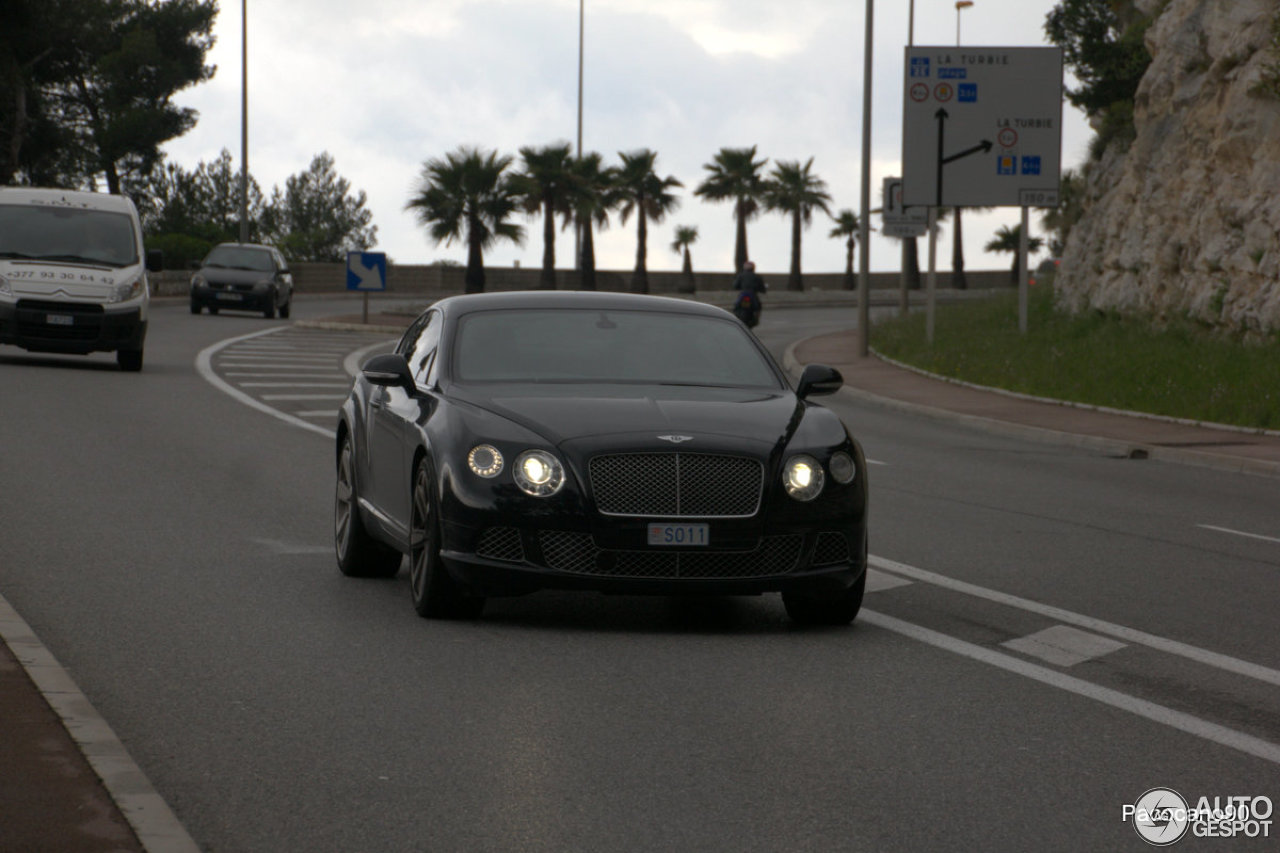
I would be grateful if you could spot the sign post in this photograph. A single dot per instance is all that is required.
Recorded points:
(982, 127)
(366, 271)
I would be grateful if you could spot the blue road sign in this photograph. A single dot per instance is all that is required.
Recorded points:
(366, 271)
(968, 93)
(1006, 165)
(1030, 165)
(920, 66)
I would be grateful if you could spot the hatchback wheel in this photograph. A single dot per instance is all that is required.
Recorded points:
(435, 594)
(359, 555)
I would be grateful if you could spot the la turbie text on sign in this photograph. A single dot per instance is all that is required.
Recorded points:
(982, 127)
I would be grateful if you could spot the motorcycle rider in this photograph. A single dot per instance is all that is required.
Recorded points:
(750, 285)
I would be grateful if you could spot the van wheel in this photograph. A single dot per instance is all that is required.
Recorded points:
(129, 359)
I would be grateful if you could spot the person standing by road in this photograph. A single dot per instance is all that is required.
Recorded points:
(750, 285)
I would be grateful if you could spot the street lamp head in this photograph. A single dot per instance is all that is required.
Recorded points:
(963, 4)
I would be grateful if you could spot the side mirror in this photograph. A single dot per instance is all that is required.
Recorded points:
(819, 379)
(155, 260)
(389, 371)
(194, 265)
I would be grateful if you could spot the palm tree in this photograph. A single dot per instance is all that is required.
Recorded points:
(1009, 240)
(686, 236)
(848, 227)
(735, 175)
(794, 190)
(649, 197)
(467, 196)
(595, 197)
(547, 185)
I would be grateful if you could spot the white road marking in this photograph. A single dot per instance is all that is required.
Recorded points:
(876, 462)
(1239, 533)
(304, 397)
(259, 375)
(1057, 614)
(204, 365)
(1179, 720)
(319, 413)
(279, 546)
(1063, 645)
(879, 581)
(295, 384)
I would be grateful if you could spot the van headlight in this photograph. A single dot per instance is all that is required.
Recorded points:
(129, 290)
(5, 289)
(803, 478)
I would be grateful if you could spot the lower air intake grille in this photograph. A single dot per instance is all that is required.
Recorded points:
(577, 553)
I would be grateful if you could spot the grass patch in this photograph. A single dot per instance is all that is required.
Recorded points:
(1183, 371)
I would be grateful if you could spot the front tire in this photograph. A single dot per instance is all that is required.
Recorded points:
(284, 309)
(840, 609)
(195, 305)
(359, 555)
(270, 310)
(130, 360)
(435, 593)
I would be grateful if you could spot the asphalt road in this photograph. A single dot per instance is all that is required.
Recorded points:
(1049, 634)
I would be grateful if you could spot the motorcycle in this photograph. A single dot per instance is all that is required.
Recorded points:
(747, 308)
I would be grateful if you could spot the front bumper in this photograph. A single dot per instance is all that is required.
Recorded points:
(508, 560)
(71, 327)
(234, 297)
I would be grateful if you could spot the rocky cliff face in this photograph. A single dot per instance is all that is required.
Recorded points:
(1187, 221)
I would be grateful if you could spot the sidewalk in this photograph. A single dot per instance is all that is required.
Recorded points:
(52, 798)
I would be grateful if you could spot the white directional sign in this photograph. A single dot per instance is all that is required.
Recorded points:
(982, 126)
(901, 221)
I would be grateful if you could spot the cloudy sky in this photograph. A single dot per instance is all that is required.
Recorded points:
(384, 85)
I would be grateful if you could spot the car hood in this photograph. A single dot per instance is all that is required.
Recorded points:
(642, 414)
(226, 275)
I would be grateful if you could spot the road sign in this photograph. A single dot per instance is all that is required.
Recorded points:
(900, 221)
(366, 271)
(982, 126)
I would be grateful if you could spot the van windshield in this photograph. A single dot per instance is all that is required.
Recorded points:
(69, 235)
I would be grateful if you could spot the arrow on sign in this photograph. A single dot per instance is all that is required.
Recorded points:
(369, 278)
(984, 146)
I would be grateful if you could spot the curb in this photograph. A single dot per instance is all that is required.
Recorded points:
(1009, 429)
(153, 822)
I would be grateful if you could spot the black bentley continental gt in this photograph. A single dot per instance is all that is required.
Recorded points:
(603, 441)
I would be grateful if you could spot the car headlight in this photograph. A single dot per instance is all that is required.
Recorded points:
(803, 478)
(5, 289)
(485, 460)
(263, 284)
(129, 290)
(539, 473)
(198, 280)
(843, 470)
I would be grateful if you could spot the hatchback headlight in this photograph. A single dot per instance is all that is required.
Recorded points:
(539, 473)
(803, 478)
(198, 280)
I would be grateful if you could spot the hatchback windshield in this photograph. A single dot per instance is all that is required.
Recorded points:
(575, 345)
(68, 234)
(240, 258)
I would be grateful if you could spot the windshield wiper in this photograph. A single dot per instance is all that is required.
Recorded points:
(19, 255)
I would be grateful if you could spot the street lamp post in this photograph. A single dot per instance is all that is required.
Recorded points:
(244, 121)
(577, 226)
(960, 6)
(864, 235)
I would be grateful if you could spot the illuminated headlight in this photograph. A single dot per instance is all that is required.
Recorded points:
(842, 468)
(538, 473)
(485, 461)
(803, 478)
(129, 290)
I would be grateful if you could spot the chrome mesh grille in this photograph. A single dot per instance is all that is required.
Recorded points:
(578, 553)
(674, 485)
(832, 548)
(501, 543)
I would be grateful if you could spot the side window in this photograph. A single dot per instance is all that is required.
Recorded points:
(422, 354)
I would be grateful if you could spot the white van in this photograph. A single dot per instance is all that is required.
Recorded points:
(73, 273)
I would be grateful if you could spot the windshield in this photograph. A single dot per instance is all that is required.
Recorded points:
(240, 258)
(576, 345)
(71, 235)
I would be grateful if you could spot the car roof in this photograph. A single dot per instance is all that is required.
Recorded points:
(70, 198)
(582, 299)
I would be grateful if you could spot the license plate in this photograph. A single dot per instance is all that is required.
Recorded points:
(230, 297)
(60, 319)
(679, 534)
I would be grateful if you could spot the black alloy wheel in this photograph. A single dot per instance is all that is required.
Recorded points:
(359, 556)
(435, 594)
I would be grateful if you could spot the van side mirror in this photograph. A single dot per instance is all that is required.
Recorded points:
(155, 260)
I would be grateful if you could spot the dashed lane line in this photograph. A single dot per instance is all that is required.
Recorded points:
(1239, 533)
